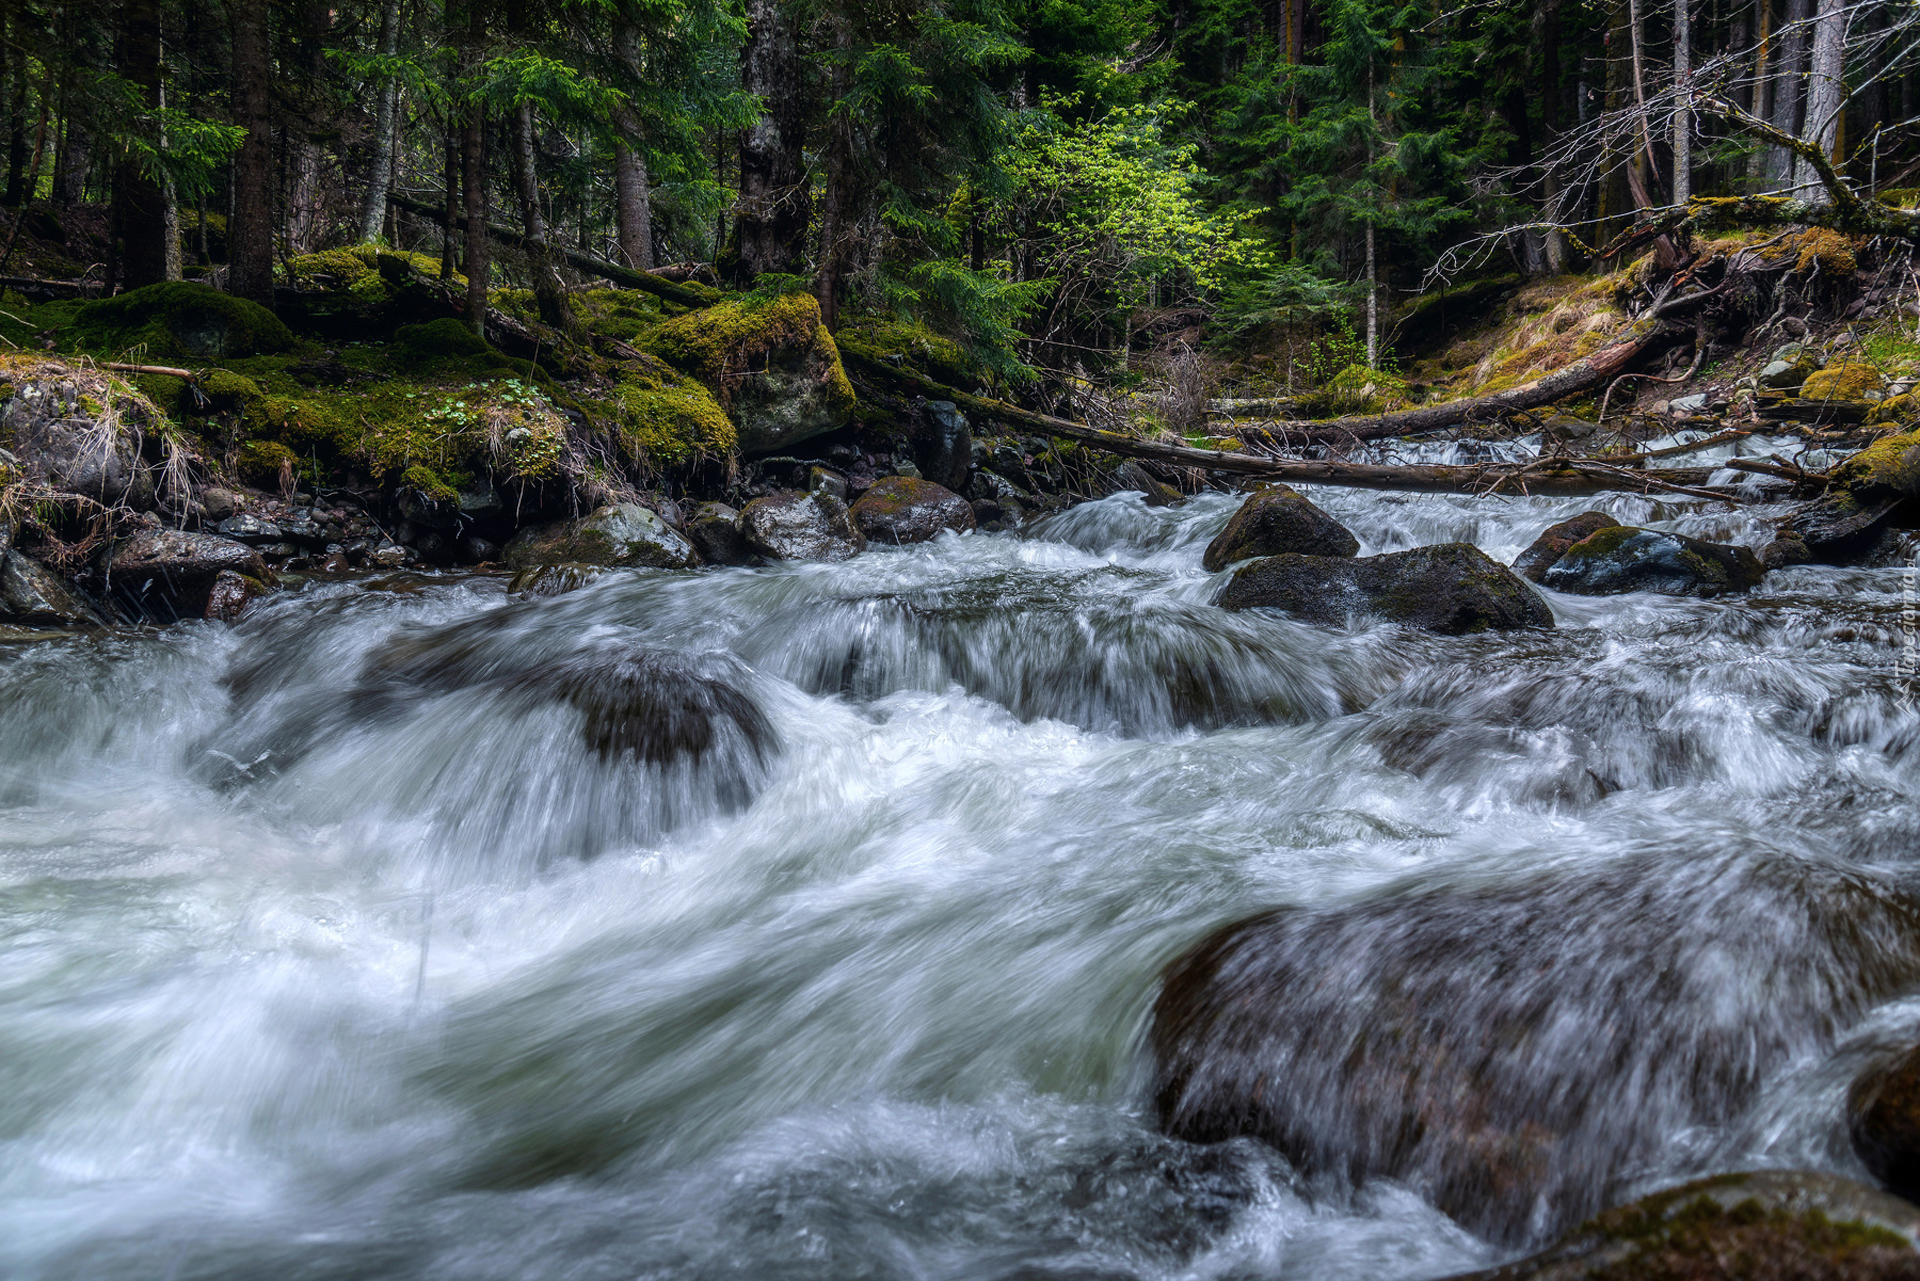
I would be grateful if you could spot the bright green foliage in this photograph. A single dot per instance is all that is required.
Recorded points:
(179, 321)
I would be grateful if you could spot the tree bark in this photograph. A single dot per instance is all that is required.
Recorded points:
(250, 229)
(1789, 89)
(772, 215)
(450, 214)
(549, 291)
(374, 212)
(1826, 95)
(139, 205)
(305, 214)
(632, 207)
(473, 183)
(1682, 103)
(836, 204)
(17, 146)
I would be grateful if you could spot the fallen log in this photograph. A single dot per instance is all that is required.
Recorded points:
(1581, 376)
(1541, 476)
(167, 371)
(658, 286)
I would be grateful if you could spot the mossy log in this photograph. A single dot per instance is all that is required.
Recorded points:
(660, 287)
(1543, 476)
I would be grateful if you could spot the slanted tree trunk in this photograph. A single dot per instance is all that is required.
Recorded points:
(250, 229)
(1789, 89)
(549, 291)
(139, 205)
(771, 219)
(1826, 95)
(374, 212)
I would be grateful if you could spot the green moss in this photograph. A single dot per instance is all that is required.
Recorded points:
(446, 337)
(722, 344)
(181, 321)
(430, 483)
(1841, 382)
(1892, 463)
(1603, 542)
(1894, 410)
(227, 390)
(336, 268)
(918, 346)
(665, 419)
(260, 462)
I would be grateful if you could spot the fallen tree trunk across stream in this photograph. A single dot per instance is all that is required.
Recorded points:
(1542, 476)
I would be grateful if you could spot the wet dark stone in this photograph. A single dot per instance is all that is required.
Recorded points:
(624, 534)
(792, 526)
(168, 574)
(1843, 528)
(35, 596)
(1449, 588)
(715, 533)
(555, 580)
(944, 448)
(1133, 477)
(1767, 1225)
(1788, 549)
(1275, 521)
(1883, 1113)
(230, 595)
(1625, 559)
(1518, 1053)
(900, 509)
(1553, 543)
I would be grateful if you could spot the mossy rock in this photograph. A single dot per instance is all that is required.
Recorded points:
(1274, 521)
(771, 364)
(1556, 540)
(1841, 382)
(1768, 1225)
(916, 346)
(1895, 410)
(444, 339)
(665, 419)
(1891, 465)
(330, 268)
(1452, 588)
(228, 391)
(1827, 251)
(1621, 558)
(180, 320)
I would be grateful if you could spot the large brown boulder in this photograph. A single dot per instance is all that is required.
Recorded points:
(1555, 540)
(1450, 588)
(902, 509)
(1883, 1113)
(1768, 1225)
(1275, 521)
(1518, 1052)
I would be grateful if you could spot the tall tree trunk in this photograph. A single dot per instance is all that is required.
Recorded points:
(250, 227)
(1826, 95)
(374, 213)
(306, 197)
(1682, 103)
(549, 291)
(473, 165)
(836, 207)
(632, 207)
(450, 214)
(1760, 163)
(140, 207)
(1788, 88)
(17, 146)
(1645, 174)
(771, 221)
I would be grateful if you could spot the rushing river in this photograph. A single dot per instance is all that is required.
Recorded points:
(807, 922)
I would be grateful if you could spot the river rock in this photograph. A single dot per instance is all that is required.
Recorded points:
(1788, 549)
(1555, 540)
(1883, 1115)
(219, 503)
(230, 595)
(1622, 558)
(1275, 521)
(1132, 477)
(1787, 374)
(625, 534)
(897, 509)
(791, 526)
(555, 580)
(1517, 1052)
(168, 574)
(1848, 381)
(944, 449)
(34, 596)
(1450, 588)
(715, 533)
(1768, 1225)
(250, 529)
(67, 432)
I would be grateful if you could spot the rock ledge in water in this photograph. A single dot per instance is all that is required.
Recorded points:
(1554, 541)
(1770, 1225)
(1451, 588)
(1883, 1115)
(1625, 559)
(1273, 522)
(793, 526)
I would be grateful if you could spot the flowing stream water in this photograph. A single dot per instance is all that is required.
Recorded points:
(807, 922)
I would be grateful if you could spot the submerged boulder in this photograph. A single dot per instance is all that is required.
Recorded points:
(555, 580)
(772, 366)
(1518, 1052)
(1767, 1225)
(169, 574)
(794, 526)
(1450, 588)
(1622, 558)
(1555, 540)
(622, 534)
(1275, 521)
(900, 509)
(1883, 1115)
